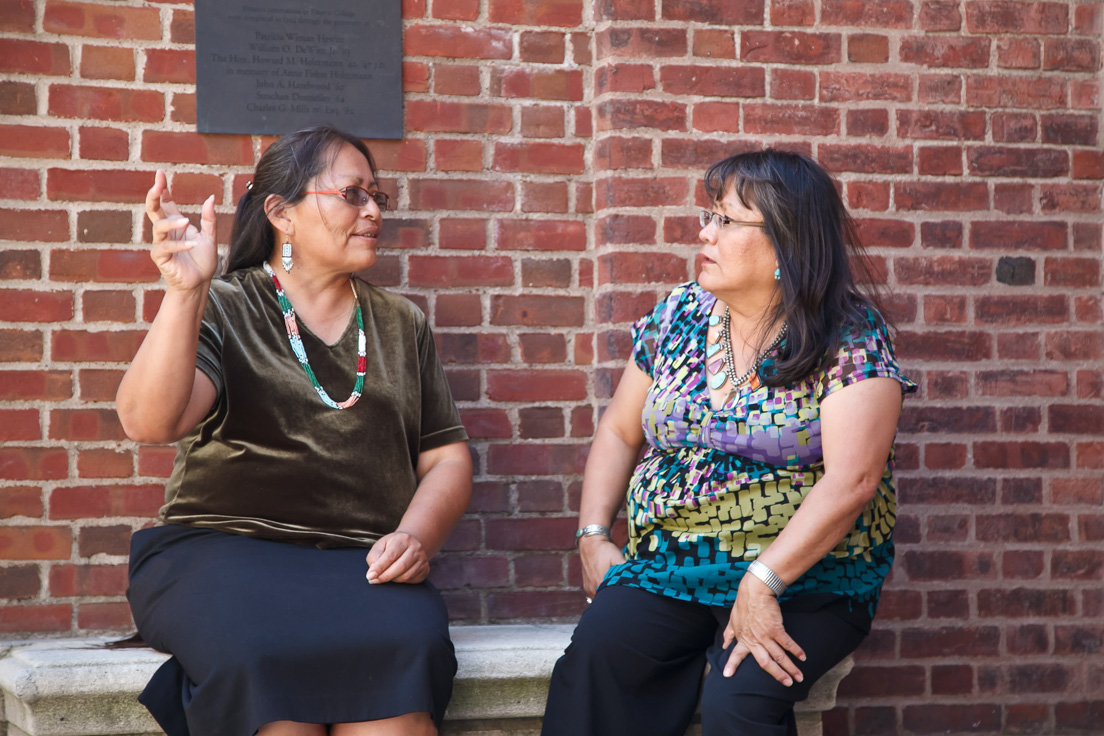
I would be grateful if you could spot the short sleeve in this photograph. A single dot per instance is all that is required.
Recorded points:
(865, 351)
(441, 423)
(648, 331)
(209, 350)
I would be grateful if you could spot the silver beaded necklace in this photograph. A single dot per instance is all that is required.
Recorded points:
(720, 377)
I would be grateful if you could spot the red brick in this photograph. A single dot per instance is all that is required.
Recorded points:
(487, 423)
(941, 196)
(715, 12)
(19, 424)
(863, 195)
(584, 121)
(638, 43)
(939, 89)
(102, 21)
(436, 116)
(542, 348)
(34, 57)
(562, 13)
(761, 119)
(34, 141)
(171, 147)
(182, 108)
(19, 581)
(530, 604)
(714, 81)
(460, 271)
(85, 424)
(85, 345)
(714, 44)
(104, 144)
(887, 14)
(104, 617)
(640, 192)
(940, 15)
(1043, 528)
(35, 543)
(535, 310)
(87, 580)
(456, 42)
(650, 114)
(944, 345)
(1014, 127)
(1069, 198)
(948, 419)
(17, 98)
(940, 125)
(23, 346)
(21, 501)
(174, 66)
(542, 122)
(19, 184)
(1017, 17)
(790, 47)
(866, 159)
(542, 47)
(717, 116)
(1017, 161)
(624, 229)
(868, 48)
(1073, 130)
(953, 641)
(104, 464)
(156, 462)
(108, 266)
(541, 84)
(1040, 94)
(404, 155)
(539, 158)
(182, 28)
(35, 619)
(792, 84)
(1018, 235)
(103, 103)
(1072, 272)
(544, 197)
(458, 155)
(1021, 309)
(457, 10)
(1018, 53)
(545, 235)
(461, 194)
(463, 234)
(97, 186)
(107, 62)
(880, 682)
(552, 272)
(415, 77)
(641, 268)
(1021, 455)
(867, 122)
(25, 305)
(945, 52)
(93, 502)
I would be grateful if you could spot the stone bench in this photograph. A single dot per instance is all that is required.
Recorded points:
(74, 687)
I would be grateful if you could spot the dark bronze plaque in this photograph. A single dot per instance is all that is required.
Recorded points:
(276, 66)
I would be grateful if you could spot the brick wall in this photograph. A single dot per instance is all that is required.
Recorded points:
(545, 187)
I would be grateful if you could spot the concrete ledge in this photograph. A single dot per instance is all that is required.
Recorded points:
(72, 687)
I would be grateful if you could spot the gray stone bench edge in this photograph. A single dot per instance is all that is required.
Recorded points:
(74, 687)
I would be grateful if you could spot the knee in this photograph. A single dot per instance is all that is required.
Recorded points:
(743, 712)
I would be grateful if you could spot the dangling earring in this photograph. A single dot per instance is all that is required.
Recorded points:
(286, 256)
(777, 274)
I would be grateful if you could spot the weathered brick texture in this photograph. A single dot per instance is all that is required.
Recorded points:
(546, 190)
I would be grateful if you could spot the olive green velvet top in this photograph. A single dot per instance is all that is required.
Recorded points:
(270, 459)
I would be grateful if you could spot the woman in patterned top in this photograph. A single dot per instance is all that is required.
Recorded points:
(760, 515)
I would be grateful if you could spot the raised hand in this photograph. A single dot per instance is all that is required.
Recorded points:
(186, 257)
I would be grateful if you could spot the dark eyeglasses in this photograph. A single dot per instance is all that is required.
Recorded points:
(358, 196)
(721, 222)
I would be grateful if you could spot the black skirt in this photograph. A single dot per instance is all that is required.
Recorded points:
(264, 631)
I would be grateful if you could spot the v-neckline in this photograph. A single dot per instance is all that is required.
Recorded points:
(304, 327)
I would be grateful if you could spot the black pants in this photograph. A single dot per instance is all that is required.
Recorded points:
(635, 665)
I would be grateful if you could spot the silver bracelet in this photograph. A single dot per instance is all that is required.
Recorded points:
(591, 530)
(764, 573)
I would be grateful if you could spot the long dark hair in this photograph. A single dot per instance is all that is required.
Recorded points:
(816, 247)
(285, 169)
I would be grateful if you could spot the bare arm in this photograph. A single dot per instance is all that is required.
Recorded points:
(857, 423)
(163, 396)
(444, 491)
(609, 468)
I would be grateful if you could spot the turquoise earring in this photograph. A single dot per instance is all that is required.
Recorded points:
(777, 274)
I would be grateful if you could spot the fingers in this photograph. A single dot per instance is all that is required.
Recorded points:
(153, 197)
(207, 219)
(397, 558)
(735, 657)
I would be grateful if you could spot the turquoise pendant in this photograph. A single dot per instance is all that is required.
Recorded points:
(711, 350)
(718, 380)
(714, 320)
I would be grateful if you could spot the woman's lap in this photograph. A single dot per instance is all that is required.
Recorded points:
(636, 662)
(298, 629)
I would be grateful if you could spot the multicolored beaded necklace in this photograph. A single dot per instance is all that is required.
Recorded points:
(301, 353)
(722, 341)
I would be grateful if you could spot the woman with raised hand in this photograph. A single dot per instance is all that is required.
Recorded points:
(766, 396)
(321, 463)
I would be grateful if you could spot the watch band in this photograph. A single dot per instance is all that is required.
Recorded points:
(764, 573)
(591, 530)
